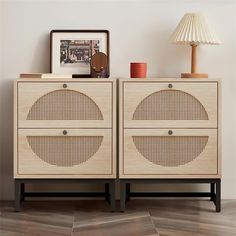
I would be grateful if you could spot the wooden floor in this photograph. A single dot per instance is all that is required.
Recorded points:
(143, 217)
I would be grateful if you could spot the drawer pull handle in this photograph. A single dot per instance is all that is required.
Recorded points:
(64, 132)
(64, 85)
(170, 132)
(170, 85)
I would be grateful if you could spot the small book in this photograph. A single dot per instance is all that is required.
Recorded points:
(44, 76)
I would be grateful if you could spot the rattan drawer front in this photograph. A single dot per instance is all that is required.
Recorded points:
(169, 104)
(56, 152)
(178, 152)
(65, 104)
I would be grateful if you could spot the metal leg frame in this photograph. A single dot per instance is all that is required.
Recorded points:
(122, 195)
(127, 192)
(17, 195)
(112, 186)
(218, 196)
(214, 194)
(108, 194)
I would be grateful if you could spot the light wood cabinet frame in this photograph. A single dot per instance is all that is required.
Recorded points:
(133, 165)
(101, 165)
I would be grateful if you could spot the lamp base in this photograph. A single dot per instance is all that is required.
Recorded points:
(193, 75)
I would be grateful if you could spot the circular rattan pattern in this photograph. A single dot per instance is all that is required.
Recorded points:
(65, 104)
(170, 151)
(170, 105)
(65, 151)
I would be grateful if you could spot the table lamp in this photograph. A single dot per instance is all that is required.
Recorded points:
(194, 30)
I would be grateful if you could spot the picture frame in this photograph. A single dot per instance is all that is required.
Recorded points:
(71, 51)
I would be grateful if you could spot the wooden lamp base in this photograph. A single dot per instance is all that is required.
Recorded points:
(193, 75)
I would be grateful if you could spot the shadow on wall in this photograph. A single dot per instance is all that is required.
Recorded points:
(6, 137)
(164, 59)
(40, 56)
(39, 62)
(177, 56)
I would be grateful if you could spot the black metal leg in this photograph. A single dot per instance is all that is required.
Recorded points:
(127, 192)
(107, 195)
(22, 189)
(122, 195)
(218, 195)
(112, 187)
(17, 195)
(212, 191)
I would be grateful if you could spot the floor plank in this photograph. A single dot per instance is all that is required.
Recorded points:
(141, 218)
(132, 223)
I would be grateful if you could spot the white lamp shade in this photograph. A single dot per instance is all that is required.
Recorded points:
(193, 29)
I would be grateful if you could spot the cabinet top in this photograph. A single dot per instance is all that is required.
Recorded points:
(66, 80)
(120, 79)
(169, 80)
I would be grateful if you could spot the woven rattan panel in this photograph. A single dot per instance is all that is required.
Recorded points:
(170, 105)
(65, 151)
(65, 105)
(170, 151)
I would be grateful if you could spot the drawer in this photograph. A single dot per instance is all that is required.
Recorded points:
(147, 153)
(64, 104)
(169, 104)
(85, 153)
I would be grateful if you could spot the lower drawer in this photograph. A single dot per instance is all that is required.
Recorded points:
(68, 153)
(148, 153)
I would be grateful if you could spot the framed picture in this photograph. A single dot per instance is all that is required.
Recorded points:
(71, 50)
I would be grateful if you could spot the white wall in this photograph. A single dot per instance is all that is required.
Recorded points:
(139, 32)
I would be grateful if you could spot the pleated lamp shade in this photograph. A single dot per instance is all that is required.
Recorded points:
(193, 29)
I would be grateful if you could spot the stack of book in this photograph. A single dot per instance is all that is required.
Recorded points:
(44, 76)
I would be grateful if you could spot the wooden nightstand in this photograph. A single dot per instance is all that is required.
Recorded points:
(64, 130)
(170, 132)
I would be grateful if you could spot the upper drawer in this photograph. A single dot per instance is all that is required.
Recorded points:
(61, 104)
(169, 104)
